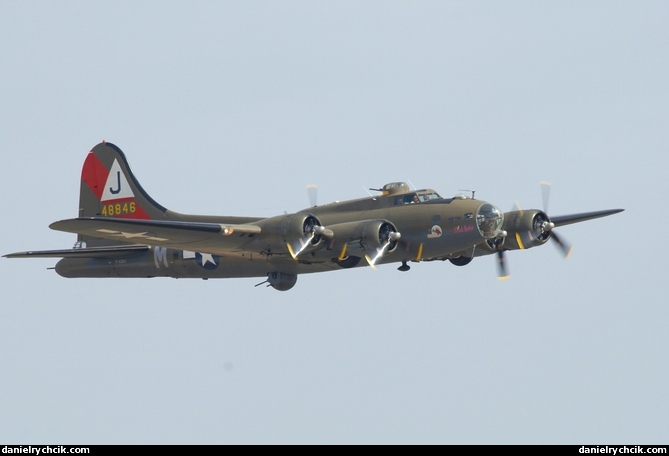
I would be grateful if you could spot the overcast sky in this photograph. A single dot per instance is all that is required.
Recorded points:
(232, 108)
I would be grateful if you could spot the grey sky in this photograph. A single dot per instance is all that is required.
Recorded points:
(232, 108)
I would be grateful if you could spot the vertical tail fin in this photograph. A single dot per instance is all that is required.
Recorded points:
(109, 189)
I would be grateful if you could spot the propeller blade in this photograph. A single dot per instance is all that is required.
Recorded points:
(315, 234)
(393, 236)
(545, 194)
(312, 191)
(379, 254)
(501, 266)
(370, 262)
(303, 245)
(564, 247)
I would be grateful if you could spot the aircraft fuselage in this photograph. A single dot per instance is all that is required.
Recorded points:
(430, 230)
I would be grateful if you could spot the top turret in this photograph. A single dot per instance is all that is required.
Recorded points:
(395, 188)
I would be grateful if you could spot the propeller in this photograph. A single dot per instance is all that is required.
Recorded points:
(312, 192)
(547, 226)
(312, 235)
(564, 247)
(542, 228)
(545, 193)
(388, 238)
(498, 243)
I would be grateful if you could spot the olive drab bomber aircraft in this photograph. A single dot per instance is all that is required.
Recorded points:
(122, 232)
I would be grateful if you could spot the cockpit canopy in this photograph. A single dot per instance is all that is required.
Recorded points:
(421, 196)
(404, 195)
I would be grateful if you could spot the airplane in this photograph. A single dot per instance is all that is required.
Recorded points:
(123, 232)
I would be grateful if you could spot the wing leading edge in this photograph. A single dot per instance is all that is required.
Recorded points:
(563, 220)
(197, 236)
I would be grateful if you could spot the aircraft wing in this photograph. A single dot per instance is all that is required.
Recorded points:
(195, 236)
(86, 252)
(563, 220)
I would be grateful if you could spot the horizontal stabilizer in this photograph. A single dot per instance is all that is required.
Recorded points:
(90, 252)
(563, 220)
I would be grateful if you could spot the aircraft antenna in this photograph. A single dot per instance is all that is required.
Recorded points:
(373, 197)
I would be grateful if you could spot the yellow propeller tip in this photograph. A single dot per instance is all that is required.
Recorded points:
(569, 253)
(506, 277)
(291, 251)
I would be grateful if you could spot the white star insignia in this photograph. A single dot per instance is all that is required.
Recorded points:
(131, 235)
(207, 258)
(127, 235)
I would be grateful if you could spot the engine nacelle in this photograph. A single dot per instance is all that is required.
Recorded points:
(366, 237)
(295, 230)
(526, 229)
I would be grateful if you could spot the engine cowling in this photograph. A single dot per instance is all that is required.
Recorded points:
(367, 237)
(302, 232)
(526, 229)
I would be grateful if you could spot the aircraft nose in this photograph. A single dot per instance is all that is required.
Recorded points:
(489, 220)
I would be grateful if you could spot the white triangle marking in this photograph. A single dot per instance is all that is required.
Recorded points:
(117, 186)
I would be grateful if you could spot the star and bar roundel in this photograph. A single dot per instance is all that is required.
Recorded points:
(112, 189)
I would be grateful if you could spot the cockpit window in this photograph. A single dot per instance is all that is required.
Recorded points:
(409, 198)
(415, 198)
(428, 196)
